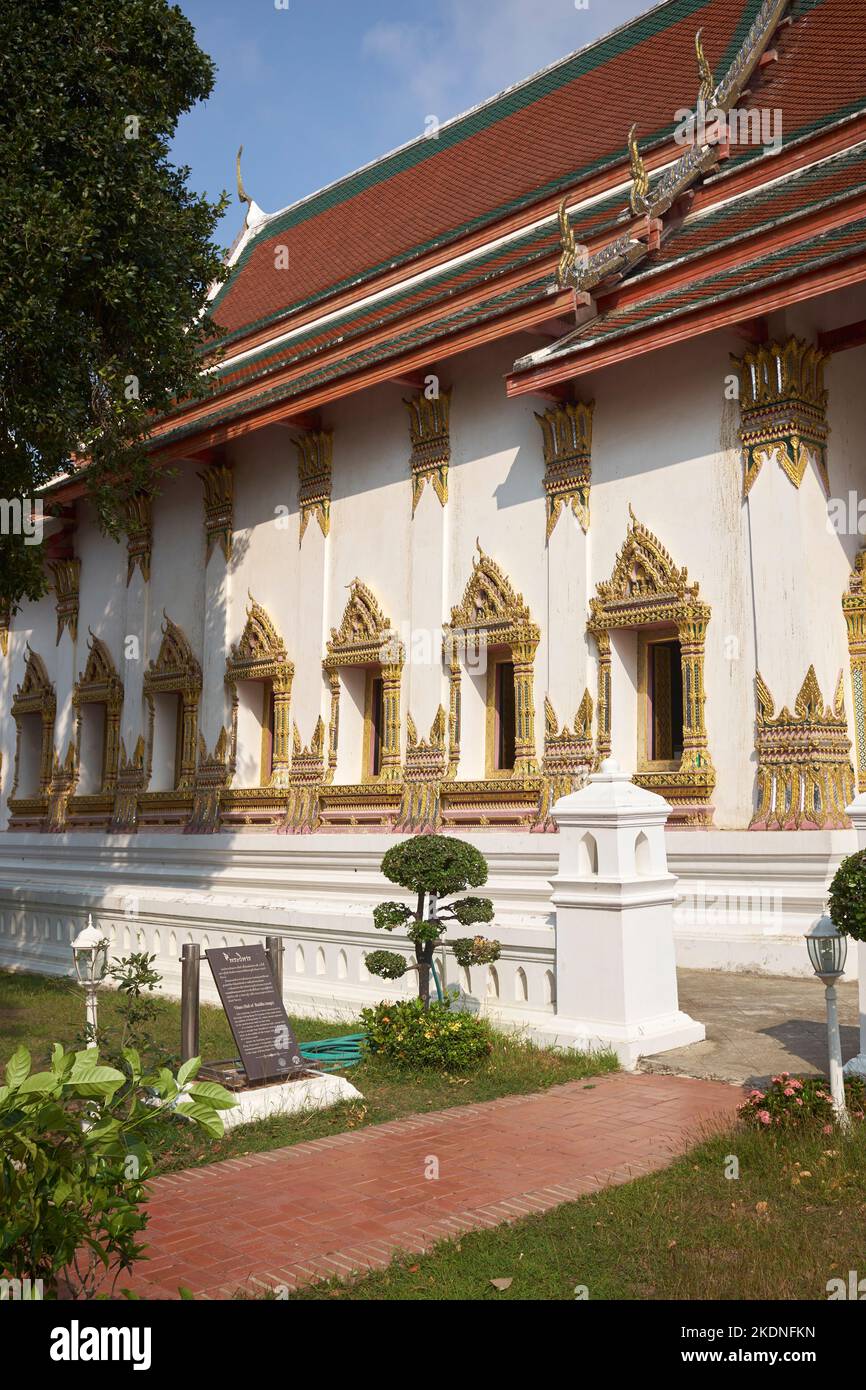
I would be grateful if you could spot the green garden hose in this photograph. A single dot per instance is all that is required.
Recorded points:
(336, 1054)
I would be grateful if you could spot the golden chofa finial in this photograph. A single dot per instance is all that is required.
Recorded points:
(708, 82)
(243, 196)
(568, 258)
(640, 178)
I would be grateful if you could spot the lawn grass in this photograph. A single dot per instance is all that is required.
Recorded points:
(795, 1218)
(37, 1010)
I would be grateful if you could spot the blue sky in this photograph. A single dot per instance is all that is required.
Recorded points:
(315, 88)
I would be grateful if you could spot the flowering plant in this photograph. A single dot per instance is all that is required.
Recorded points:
(791, 1103)
(412, 1036)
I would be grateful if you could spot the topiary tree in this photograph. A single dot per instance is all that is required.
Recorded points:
(847, 897)
(433, 867)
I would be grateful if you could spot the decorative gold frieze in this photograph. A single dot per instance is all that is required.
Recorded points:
(783, 408)
(139, 534)
(647, 588)
(854, 608)
(429, 430)
(315, 458)
(218, 484)
(805, 778)
(175, 670)
(492, 614)
(212, 776)
(567, 431)
(306, 781)
(66, 575)
(100, 684)
(568, 757)
(131, 781)
(63, 778)
(35, 695)
(260, 655)
(424, 769)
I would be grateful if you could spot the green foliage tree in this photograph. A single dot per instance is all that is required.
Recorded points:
(106, 256)
(847, 896)
(432, 867)
(74, 1158)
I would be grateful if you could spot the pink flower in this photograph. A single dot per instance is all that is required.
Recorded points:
(765, 1117)
(828, 1129)
(789, 1090)
(798, 1085)
(756, 1095)
(799, 1100)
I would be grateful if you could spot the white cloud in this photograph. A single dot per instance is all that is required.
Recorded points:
(470, 49)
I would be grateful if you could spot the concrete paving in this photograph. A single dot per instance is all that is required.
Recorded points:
(757, 1026)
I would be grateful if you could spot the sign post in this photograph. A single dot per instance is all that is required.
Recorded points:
(257, 1017)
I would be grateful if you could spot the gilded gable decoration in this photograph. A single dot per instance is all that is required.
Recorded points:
(423, 771)
(429, 431)
(854, 608)
(66, 575)
(176, 670)
(35, 695)
(100, 684)
(805, 779)
(260, 655)
(568, 757)
(492, 614)
(218, 484)
(567, 432)
(315, 459)
(365, 637)
(139, 535)
(783, 408)
(646, 589)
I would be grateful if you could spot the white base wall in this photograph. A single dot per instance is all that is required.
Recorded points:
(745, 902)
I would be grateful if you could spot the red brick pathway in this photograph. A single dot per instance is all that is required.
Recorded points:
(349, 1203)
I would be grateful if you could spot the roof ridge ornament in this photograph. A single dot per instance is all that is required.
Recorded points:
(638, 201)
(708, 82)
(254, 215)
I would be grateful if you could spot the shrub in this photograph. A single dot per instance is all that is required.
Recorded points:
(791, 1103)
(74, 1159)
(847, 897)
(432, 866)
(412, 1037)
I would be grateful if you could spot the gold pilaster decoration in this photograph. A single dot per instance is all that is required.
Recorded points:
(637, 199)
(429, 430)
(568, 757)
(175, 670)
(315, 460)
(260, 655)
(647, 589)
(5, 624)
(454, 706)
(139, 534)
(66, 575)
(35, 695)
(100, 684)
(423, 773)
(131, 782)
(212, 775)
(567, 432)
(805, 778)
(854, 608)
(63, 777)
(365, 638)
(493, 614)
(306, 781)
(783, 409)
(218, 484)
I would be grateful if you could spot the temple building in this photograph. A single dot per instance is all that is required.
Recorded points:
(537, 441)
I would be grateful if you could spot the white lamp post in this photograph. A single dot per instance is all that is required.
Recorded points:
(828, 949)
(90, 956)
